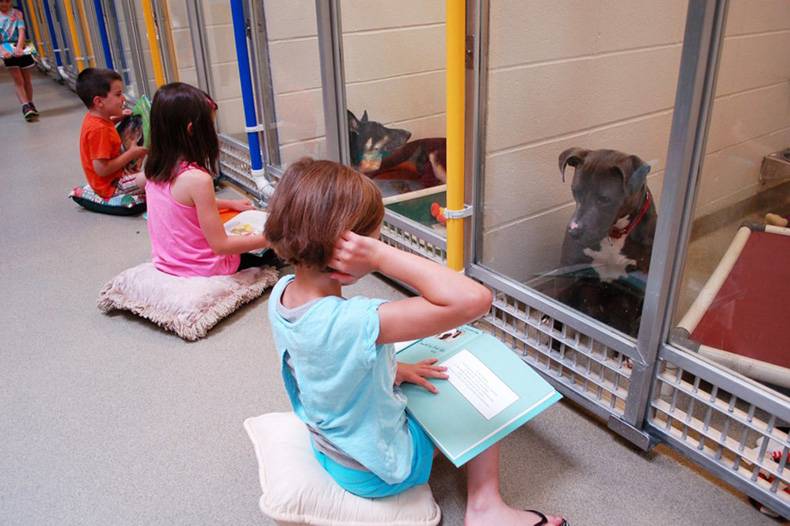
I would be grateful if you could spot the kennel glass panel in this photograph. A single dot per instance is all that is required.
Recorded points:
(120, 45)
(222, 68)
(62, 30)
(145, 47)
(70, 14)
(394, 60)
(45, 43)
(68, 71)
(578, 110)
(295, 73)
(183, 68)
(736, 279)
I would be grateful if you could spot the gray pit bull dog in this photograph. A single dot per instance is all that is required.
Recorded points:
(614, 222)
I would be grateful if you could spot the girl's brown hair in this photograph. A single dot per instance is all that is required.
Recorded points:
(314, 203)
(175, 107)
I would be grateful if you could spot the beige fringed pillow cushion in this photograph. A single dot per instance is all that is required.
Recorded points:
(297, 491)
(187, 306)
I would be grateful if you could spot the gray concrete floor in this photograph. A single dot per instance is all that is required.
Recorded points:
(107, 420)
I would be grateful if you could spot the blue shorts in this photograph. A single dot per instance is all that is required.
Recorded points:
(366, 484)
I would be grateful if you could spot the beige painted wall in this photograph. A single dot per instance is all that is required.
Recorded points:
(603, 75)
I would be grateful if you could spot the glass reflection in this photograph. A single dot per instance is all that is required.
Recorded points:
(579, 110)
(396, 105)
(119, 44)
(181, 48)
(292, 42)
(145, 46)
(735, 282)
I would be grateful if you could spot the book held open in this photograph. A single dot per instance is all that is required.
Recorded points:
(490, 392)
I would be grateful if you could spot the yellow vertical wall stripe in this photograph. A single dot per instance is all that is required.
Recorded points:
(40, 10)
(75, 41)
(456, 46)
(33, 21)
(86, 32)
(153, 42)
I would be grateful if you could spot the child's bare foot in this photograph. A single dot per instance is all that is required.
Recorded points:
(501, 514)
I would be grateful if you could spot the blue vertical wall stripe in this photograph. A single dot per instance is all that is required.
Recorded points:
(52, 35)
(105, 40)
(68, 54)
(243, 60)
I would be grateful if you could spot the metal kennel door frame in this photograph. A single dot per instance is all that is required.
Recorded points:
(518, 312)
(728, 400)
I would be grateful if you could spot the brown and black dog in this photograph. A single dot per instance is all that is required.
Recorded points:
(397, 166)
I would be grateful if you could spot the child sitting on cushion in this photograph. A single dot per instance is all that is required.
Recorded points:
(336, 355)
(187, 234)
(100, 145)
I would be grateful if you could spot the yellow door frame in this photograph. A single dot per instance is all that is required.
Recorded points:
(456, 77)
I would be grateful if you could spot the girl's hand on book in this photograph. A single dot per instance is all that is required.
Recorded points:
(416, 373)
(354, 256)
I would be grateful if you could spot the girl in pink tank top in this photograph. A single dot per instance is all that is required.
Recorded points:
(186, 232)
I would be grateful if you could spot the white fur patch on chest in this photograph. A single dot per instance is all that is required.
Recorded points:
(609, 261)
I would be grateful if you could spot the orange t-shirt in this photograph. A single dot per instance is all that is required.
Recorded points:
(99, 140)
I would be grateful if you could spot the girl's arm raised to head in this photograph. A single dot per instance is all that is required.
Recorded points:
(199, 187)
(447, 298)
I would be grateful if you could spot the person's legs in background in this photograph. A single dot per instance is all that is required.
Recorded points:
(18, 77)
(28, 85)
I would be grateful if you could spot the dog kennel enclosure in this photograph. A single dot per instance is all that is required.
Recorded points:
(698, 89)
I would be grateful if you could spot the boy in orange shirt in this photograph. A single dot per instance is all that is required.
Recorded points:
(100, 145)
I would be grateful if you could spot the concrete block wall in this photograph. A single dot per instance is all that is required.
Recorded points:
(751, 112)
(182, 41)
(603, 75)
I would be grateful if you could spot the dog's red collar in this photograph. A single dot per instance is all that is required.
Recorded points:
(617, 233)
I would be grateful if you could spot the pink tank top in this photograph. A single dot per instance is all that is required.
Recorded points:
(178, 246)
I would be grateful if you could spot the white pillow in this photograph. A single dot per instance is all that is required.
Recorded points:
(297, 490)
(187, 306)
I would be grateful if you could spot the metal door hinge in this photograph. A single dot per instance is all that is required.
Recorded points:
(470, 51)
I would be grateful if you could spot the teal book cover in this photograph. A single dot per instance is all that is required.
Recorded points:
(490, 392)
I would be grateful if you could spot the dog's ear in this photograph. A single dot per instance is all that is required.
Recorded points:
(574, 157)
(353, 122)
(634, 172)
(365, 116)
